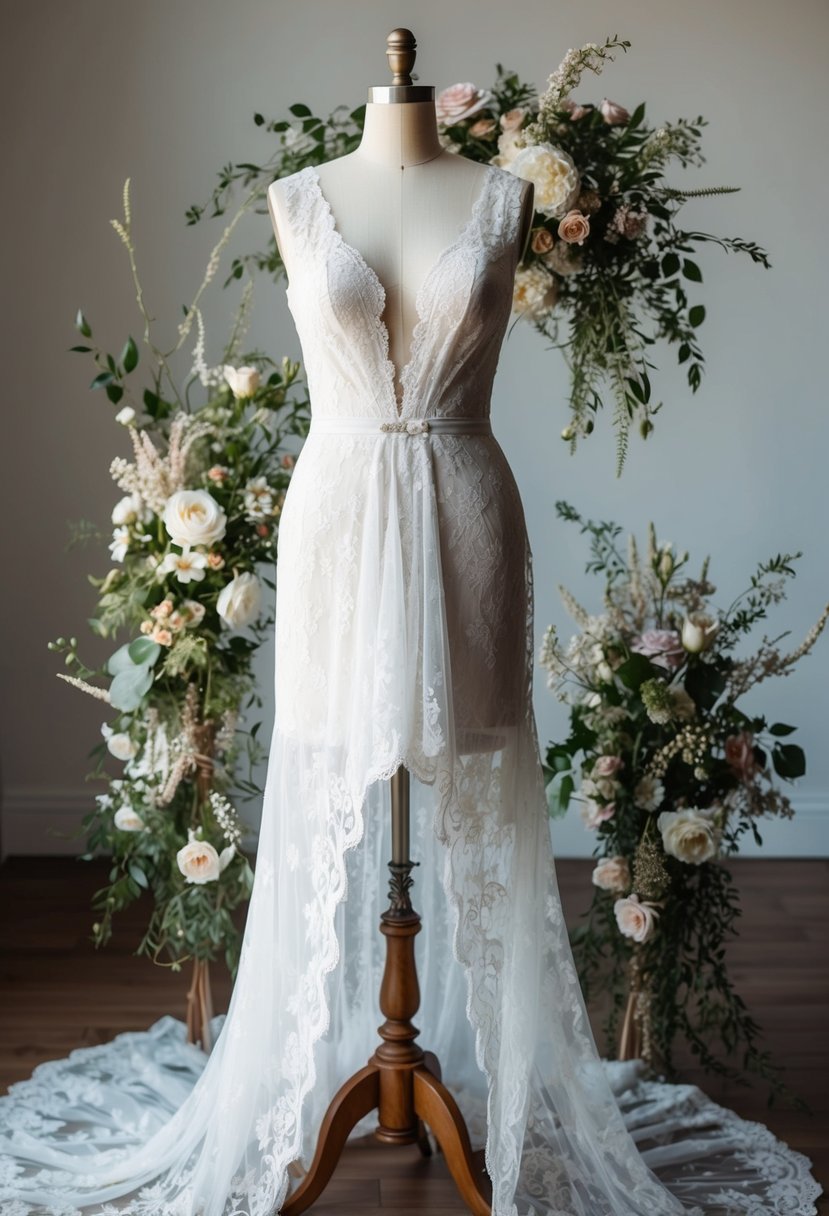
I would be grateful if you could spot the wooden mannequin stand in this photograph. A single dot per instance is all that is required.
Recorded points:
(401, 1081)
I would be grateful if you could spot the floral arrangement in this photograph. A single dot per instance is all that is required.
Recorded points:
(668, 771)
(198, 515)
(606, 257)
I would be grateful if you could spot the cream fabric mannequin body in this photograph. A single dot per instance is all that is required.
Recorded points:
(399, 199)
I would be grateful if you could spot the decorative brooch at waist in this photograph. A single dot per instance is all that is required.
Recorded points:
(412, 426)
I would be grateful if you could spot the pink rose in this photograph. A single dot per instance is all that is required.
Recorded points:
(606, 766)
(512, 120)
(459, 101)
(739, 752)
(612, 874)
(613, 113)
(593, 813)
(635, 918)
(661, 646)
(575, 110)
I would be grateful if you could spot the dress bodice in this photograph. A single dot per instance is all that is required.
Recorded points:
(463, 305)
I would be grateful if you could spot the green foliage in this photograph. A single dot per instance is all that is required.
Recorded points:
(182, 676)
(669, 772)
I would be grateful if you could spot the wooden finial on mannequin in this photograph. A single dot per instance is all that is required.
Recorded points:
(401, 52)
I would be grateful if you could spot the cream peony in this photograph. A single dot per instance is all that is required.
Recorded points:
(612, 874)
(126, 415)
(689, 834)
(240, 600)
(243, 381)
(193, 517)
(460, 101)
(554, 175)
(535, 292)
(635, 918)
(127, 820)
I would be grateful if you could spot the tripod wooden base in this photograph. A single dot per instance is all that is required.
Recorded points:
(401, 1081)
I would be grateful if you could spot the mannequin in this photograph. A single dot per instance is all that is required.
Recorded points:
(400, 198)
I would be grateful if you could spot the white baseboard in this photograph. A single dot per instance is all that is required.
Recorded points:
(45, 821)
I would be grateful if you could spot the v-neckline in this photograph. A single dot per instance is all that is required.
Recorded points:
(391, 371)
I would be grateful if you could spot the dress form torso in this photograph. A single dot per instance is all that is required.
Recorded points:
(400, 199)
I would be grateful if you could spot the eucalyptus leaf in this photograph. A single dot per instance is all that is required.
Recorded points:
(129, 688)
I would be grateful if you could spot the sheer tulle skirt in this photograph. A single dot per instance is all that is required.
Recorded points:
(138, 1123)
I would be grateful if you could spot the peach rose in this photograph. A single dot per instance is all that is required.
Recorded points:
(483, 128)
(574, 228)
(612, 874)
(635, 918)
(575, 109)
(613, 113)
(542, 240)
(512, 120)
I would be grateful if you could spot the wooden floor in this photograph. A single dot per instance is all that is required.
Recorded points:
(57, 992)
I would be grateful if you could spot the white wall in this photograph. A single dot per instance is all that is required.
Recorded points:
(164, 93)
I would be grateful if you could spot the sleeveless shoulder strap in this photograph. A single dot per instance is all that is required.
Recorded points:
(503, 211)
(300, 218)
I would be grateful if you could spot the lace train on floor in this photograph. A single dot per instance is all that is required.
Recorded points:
(113, 1096)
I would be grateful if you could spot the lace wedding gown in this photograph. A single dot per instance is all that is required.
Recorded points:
(403, 635)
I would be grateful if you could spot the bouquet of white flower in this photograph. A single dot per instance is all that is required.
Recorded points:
(668, 772)
(199, 516)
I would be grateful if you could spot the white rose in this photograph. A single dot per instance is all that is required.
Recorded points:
(243, 381)
(612, 874)
(198, 861)
(698, 632)
(193, 517)
(635, 918)
(553, 173)
(121, 746)
(239, 602)
(126, 819)
(126, 415)
(534, 293)
(689, 834)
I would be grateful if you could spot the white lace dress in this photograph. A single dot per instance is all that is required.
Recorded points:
(403, 635)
